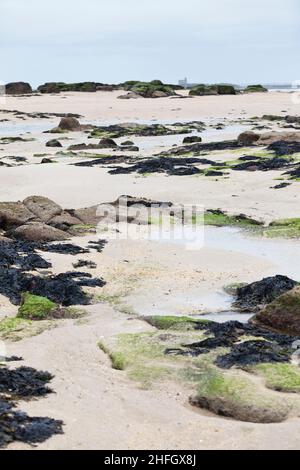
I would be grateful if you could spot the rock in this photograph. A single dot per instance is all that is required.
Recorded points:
(13, 214)
(53, 143)
(192, 139)
(42, 207)
(38, 232)
(159, 94)
(107, 143)
(203, 90)
(18, 88)
(47, 160)
(270, 137)
(255, 89)
(283, 314)
(248, 138)
(247, 412)
(87, 215)
(69, 124)
(64, 221)
(127, 143)
(257, 294)
(130, 96)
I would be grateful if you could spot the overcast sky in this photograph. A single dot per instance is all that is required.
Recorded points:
(115, 40)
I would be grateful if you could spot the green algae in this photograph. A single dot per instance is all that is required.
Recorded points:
(279, 377)
(35, 307)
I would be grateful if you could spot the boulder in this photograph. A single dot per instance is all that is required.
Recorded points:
(18, 88)
(159, 94)
(131, 95)
(87, 215)
(69, 124)
(42, 207)
(194, 139)
(64, 221)
(107, 143)
(253, 296)
(127, 143)
(248, 138)
(255, 89)
(38, 232)
(53, 143)
(283, 314)
(13, 214)
(206, 90)
(270, 137)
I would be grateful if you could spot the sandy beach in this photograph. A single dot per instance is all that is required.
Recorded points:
(102, 407)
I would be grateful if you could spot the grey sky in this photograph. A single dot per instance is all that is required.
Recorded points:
(115, 40)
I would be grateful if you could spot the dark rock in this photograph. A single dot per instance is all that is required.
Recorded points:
(192, 140)
(203, 90)
(69, 124)
(18, 88)
(107, 143)
(53, 143)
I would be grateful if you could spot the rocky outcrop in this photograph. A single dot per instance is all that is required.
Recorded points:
(255, 89)
(87, 87)
(18, 88)
(283, 314)
(206, 90)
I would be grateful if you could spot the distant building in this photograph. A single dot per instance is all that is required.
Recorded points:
(183, 83)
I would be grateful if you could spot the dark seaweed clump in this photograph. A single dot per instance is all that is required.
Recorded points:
(170, 166)
(273, 347)
(19, 259)
(24, 383)
(283, 147)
